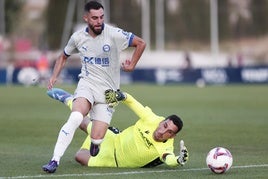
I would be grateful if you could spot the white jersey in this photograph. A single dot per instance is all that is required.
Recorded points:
(100, 55)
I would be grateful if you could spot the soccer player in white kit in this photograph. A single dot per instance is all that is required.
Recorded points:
(99, 46)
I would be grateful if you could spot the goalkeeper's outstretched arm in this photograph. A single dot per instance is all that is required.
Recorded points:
(134, 105)
(113, 97)
(181, 159)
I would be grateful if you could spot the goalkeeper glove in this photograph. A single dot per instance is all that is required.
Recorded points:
(184, 154)
(113, 97)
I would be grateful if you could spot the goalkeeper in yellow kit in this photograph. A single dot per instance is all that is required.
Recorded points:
(147, 143)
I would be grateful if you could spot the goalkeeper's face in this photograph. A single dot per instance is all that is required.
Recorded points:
(165, 130)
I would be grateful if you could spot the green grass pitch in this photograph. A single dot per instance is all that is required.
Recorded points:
(233, 116)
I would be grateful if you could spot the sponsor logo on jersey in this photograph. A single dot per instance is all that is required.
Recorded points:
(97, 61)
(84, 48)
(125, 33)
(145, 139)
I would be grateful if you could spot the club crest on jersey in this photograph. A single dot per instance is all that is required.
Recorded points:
(106, 48)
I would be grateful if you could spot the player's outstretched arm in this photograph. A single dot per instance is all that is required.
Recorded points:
(139, 44)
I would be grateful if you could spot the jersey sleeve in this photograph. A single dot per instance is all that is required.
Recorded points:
(166, 153)
(70, 47)
(122, 38)
(171, 160)
(137, 107)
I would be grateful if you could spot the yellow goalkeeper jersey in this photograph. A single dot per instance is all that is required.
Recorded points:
(135, 146)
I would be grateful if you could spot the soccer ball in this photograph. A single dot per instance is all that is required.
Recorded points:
(28, 76)
(219, 160)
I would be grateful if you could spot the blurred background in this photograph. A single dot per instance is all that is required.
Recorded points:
(188, 41)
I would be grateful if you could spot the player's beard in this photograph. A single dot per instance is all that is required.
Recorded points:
(97, 32)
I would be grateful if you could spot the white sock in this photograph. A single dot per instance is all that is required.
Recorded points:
(96, 141)
(66, 134)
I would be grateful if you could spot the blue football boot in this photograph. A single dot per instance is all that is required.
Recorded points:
(59, 94)
(51, 167)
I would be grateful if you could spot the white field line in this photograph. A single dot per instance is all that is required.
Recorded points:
(125, 173)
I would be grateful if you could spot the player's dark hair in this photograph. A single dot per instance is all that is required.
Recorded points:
(92, 5)
(177, 121)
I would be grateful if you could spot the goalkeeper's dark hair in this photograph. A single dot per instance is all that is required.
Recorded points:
(93, 5)
(176, 120)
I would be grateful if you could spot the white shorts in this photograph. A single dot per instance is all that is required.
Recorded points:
(100, 110)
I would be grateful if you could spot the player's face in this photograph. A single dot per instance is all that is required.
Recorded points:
(95, 19)
(165, 130)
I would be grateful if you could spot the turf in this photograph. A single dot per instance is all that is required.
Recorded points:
(234, 116)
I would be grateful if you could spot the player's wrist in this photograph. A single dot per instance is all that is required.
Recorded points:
(180, 161)
(120, 95)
